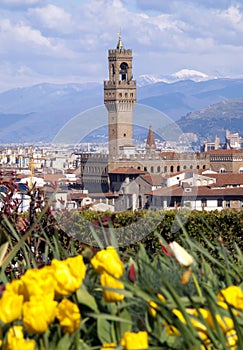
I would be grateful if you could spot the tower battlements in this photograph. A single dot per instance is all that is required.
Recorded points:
(120, 53)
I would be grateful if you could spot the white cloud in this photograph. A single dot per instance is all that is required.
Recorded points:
(22, 34)
(69, 39)
(52, 17)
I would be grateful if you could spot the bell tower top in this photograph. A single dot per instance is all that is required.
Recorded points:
(119, 45)
(120, 64)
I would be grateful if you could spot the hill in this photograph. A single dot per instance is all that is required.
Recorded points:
(214, 120)
(37, 113)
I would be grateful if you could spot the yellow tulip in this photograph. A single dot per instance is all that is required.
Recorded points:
(15, 287)
(39, 313)
(152, 308)
(16, 341)
(38, 282)
(69, 274)
(161, 297)
(110, 346)
(225, 323)
(181, 255)
(109, 295)
(135, 341)
(232, 295)
(232, 339)
(108, 261)
(10, 307)
(198, 325)
(68, 315)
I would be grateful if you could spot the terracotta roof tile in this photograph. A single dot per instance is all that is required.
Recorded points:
(224, 151)
(155, 180)
(127, 170)
(201, 191)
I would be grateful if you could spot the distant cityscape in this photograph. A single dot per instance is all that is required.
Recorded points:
(128, 168)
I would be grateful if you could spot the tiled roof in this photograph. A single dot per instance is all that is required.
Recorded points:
(227, 179)
(127, 170)
(155, 180)
(201, 191)
(224, 151)
(78, 195)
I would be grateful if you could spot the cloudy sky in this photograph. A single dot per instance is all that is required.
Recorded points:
(67, 40)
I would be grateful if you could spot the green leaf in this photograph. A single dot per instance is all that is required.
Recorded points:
(85, 298)
(64, 343)
(125, 326)
(104, 330)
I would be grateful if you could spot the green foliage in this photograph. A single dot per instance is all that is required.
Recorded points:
(212, 238)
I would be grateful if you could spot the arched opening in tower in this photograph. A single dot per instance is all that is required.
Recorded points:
(123, 71)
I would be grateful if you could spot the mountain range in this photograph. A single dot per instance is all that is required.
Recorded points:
(37, 113)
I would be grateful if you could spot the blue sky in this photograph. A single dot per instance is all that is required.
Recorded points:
(67, 41)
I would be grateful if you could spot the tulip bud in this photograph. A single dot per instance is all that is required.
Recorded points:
(181, 255)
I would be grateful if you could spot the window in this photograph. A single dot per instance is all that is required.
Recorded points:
(152, 169)
(158, 169)
(178, 168)
(219, 202)
(204, 202)
(227, 203)
(184, 167)
(165, 169)
(171, 169)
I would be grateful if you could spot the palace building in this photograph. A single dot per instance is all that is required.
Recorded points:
(107, 172)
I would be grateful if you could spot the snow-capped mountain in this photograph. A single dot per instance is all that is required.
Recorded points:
(38, 112)
(183, 74)
(147, 79)
(190, 74)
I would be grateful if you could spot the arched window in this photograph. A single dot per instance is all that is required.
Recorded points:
(178, 168)
(222, 170)
(123, 71)
(158, 169)
(171, 169)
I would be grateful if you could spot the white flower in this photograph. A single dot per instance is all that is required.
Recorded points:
(181, 255)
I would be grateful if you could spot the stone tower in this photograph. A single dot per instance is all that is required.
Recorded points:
(119, 99)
